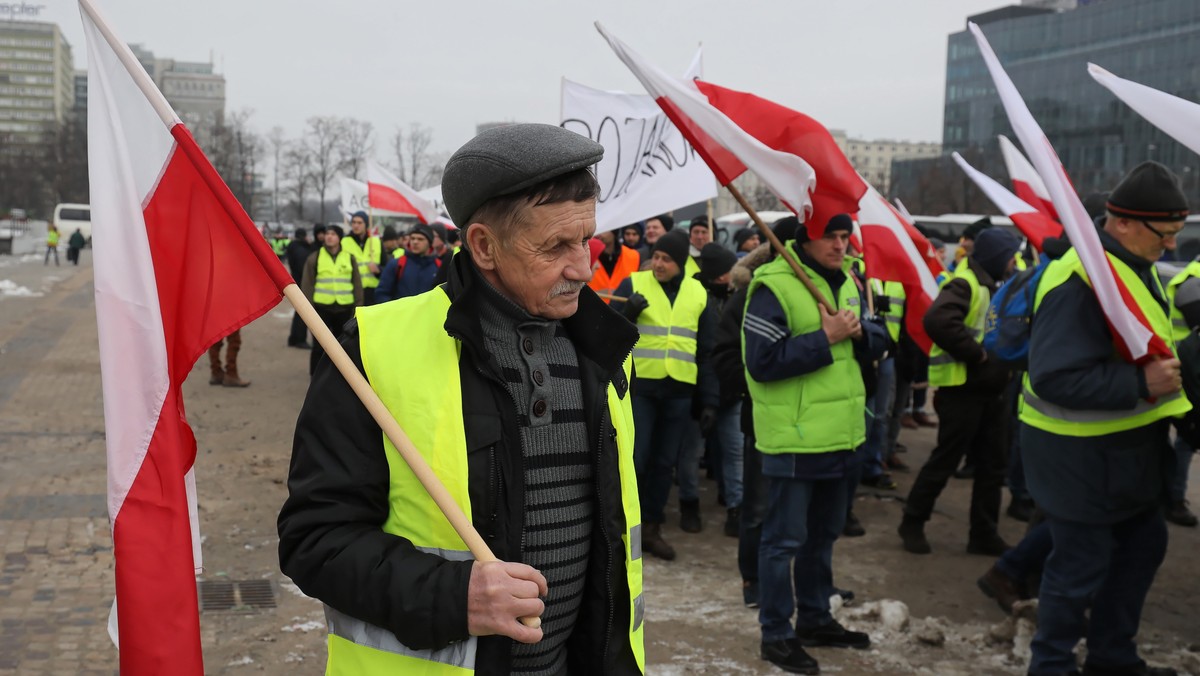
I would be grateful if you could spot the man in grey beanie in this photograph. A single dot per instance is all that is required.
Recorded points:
(512, 379)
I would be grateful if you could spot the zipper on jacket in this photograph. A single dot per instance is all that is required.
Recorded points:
(608, 558)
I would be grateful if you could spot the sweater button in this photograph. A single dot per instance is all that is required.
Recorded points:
(527, 345)
(538, 378)
(539, 408)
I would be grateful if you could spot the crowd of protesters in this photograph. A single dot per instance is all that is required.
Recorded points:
(791, 404)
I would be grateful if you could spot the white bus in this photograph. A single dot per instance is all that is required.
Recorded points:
(67, 217)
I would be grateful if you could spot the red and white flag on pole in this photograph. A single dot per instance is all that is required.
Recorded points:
(1178, 117)
(174, 273)
(1034, 224)
(725, 147)
(1134, 338)
(388, 193)
(892, 250)
(1026, 182)
(839, 187)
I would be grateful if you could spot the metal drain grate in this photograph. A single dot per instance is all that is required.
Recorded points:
(235, 595)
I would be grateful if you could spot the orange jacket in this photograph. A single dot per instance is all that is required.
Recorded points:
(627, 264)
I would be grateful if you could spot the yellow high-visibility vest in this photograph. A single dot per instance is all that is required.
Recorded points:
(666, 347)
(335, 280)
(364, 255)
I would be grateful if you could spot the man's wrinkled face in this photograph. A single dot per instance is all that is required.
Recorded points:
(700, 235)
(418, 245)
(547, 261)
(663, 266)
(829, 251)
(357, 225)
(654, 230)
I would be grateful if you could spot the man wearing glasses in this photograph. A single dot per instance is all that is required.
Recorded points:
(1095, 437)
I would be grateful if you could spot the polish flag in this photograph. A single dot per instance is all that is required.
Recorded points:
(1177, 117)
(727, 149)
(1134, 338)
(1026, 182)
(178, 266)
(893, 253)
(839, 187)
(1035, 225)
(387, 192)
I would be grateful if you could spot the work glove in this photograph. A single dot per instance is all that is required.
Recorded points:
(634, 306)
(708, 420)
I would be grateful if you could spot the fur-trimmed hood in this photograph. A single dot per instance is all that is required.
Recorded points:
(744, 270)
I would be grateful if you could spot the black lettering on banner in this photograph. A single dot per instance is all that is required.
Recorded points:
(653, 152)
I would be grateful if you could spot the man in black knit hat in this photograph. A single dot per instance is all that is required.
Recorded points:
(1095, 437)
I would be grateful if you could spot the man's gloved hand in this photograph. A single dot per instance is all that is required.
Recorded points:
(634, 306)
(708, 420)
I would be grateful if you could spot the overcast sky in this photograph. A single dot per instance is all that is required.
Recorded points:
(875, 68)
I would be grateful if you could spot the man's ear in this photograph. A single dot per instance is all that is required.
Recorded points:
(482, 243)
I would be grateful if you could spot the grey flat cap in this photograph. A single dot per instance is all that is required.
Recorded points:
(509, 159)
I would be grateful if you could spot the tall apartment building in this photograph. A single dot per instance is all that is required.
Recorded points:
(873, 158)
(191, 87)
(37, 85)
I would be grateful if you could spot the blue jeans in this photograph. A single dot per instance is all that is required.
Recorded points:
(1107, 568)
(1029, 556)
(754, 509)
(730, 441)
(804, 518)
(879, 410)
(659, 429)
(1177, 486)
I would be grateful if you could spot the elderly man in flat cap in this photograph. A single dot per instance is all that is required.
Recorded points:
(512, 379)
(1095, 437)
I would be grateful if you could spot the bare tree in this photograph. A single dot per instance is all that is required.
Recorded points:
(324, 141)
(357, 143)
(236, 150)
(297, 171)
(411, 152)
(278, 143)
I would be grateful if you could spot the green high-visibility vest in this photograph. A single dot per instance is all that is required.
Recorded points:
(666, 347)
(402, 342)
(894, 292)
(1179, 327)
(369, 254)
(1044, 415)
(944, 370)
(335, 281)
(818, 412)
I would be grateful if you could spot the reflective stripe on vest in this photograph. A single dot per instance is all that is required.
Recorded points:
(604, 283)
(666, 347)
(895, 295)
(335, 282)
(945, 370)
(432, 416)
(818, 412)
(364, 256)
(1041, 414)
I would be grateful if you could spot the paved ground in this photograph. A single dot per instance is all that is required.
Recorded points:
(56, 576)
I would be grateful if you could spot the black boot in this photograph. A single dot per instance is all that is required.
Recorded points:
(912, 532)
(789, 656)
(654, 544)
(733, 520)
(689, 516)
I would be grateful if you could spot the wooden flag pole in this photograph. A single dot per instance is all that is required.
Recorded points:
(782, 250)
(441, 497)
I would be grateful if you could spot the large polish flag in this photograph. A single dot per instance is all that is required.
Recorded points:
(1026, 182)
(893, 252)
(724, 146)
(1179, 118)
(1134, 338)
(1035, 225)
(387, 192)
(174, 273)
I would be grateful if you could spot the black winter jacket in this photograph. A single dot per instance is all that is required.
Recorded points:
(945, 322)
(330, 538)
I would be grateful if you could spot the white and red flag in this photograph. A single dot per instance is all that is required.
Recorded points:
(1035, 225)
(1026, 182)
(386, 192)
(1134, 338)
(1178, 117)
(175, 272)
(725, 147)
(896, 251)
